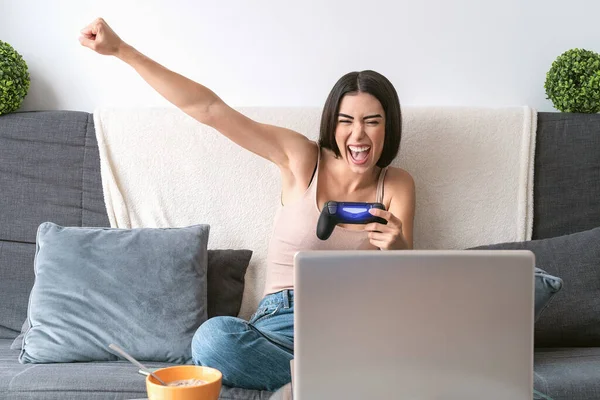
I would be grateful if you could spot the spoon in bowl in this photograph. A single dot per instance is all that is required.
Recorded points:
(135, 362)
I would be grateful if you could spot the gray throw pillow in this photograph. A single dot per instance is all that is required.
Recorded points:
(573, 319)
(546, 286)
(143, 289)
(226, 281)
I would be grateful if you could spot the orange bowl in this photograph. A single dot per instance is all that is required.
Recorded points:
(206, 391)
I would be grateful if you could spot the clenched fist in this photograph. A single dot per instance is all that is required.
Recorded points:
(99, 37)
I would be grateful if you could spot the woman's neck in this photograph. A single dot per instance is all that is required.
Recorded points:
(347, 180)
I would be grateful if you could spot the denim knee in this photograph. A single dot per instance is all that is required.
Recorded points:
(211, 340)
(243, 355)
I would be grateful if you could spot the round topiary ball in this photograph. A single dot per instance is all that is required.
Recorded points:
(573, 82)
(14, 79)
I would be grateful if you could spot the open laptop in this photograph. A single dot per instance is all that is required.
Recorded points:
(414, 325)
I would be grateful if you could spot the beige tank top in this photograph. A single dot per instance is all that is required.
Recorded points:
(295, 227)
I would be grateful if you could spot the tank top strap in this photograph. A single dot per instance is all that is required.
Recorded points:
(380, 185)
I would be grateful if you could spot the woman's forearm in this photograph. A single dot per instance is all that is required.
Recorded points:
(184, 93)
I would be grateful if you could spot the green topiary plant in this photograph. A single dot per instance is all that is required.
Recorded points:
(14, 79)
(573, 82)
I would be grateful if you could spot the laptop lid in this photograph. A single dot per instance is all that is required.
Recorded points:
(414, 325)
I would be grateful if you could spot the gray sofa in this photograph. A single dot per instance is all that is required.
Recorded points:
(49, 171)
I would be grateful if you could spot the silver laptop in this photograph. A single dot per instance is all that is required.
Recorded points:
(414, 325)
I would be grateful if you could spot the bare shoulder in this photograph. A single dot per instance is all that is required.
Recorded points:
(399, 182)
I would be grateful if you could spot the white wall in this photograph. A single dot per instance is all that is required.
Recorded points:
(290, 53)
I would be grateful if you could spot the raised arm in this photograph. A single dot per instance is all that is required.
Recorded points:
(276, 144)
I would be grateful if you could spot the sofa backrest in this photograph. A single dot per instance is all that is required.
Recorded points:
(48, 172)
(567, 174)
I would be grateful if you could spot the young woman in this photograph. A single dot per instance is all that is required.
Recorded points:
(359, 137)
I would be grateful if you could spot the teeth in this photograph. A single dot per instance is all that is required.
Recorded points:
(358, 149)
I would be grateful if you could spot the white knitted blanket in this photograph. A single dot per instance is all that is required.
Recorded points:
(473, 169)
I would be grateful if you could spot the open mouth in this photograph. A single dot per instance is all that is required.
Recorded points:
(359, 154)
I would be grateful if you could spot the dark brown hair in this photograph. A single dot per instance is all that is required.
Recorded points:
(382, 89)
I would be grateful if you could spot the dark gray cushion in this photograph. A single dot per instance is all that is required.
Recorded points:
(568, 373)
(226, 281)
(50, 172)
(567, 174)
(115, 380)
(16, 280)
(144, 289)
(573, 318)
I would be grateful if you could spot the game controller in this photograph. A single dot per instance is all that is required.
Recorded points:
(339, 212)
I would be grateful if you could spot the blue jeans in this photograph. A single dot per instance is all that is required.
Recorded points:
(251, 354)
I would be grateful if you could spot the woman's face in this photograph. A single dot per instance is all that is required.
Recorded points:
(360, 131)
